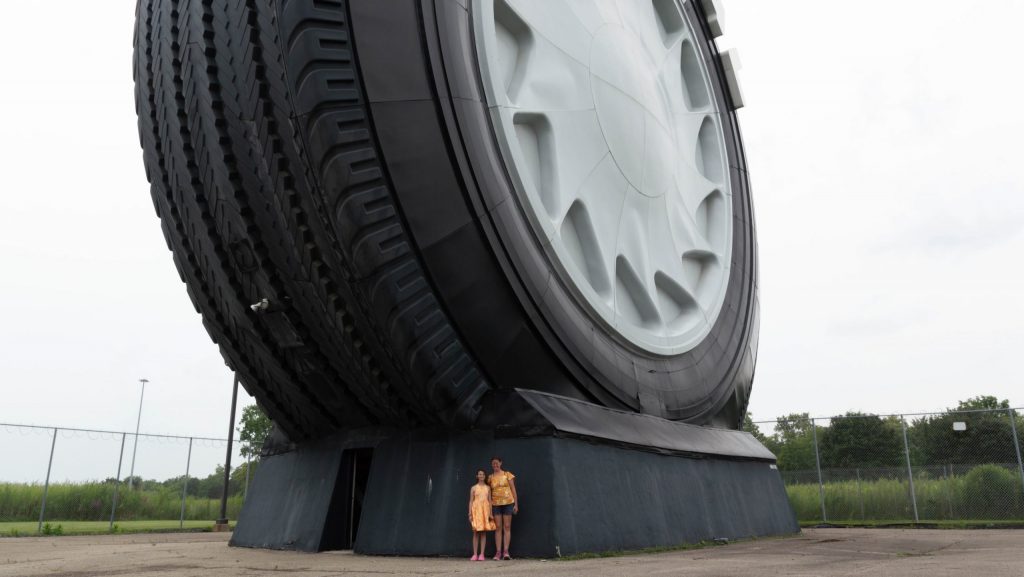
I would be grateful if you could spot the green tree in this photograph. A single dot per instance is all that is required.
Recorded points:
(135, 482)
(793, 426)
(860, 440)
(175, 483)
(986, 438)
(238, 475)
(751, 427)
(794, 435)
(983, 402)
(212, 486)
(253, 430)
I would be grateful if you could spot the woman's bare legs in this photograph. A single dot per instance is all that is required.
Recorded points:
(498, 521)
(506, 520)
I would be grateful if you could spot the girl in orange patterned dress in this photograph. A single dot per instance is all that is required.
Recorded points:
(480, 518)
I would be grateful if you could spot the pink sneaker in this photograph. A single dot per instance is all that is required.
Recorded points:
(497, 555)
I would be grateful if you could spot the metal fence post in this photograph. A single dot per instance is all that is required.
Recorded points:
(184, 485)
(223, 519)
(131, 476)
(1016, 444)
(817, 464)
(949, 488)
(860, 495)
(46, 487)
(910, 471)
(117, 482)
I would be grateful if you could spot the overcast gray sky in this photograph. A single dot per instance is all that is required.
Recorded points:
(883, 141)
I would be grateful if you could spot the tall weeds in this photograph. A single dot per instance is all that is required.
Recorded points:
(92, 502)
(988, 492)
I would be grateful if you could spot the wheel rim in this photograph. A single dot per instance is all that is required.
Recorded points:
(605, 115)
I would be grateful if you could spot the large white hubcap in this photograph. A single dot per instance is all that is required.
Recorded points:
(604, 114)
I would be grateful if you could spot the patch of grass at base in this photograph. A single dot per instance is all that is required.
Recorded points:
(30, 528)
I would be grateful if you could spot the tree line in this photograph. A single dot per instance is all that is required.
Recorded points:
(864, 440)
(211, 486)
(253, 428)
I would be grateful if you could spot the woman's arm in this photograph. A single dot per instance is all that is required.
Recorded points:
(490, 515)
(515, 496)
(470, 507)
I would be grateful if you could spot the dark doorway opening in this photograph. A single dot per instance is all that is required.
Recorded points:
(360, 476)
(342, 525)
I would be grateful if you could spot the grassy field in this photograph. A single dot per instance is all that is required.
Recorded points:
(987, 492)
(28, 528)
(92, 502)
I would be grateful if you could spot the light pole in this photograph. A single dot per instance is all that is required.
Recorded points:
(135, 447)
(222, 521)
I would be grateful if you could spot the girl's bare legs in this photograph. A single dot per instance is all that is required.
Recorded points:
(498, 521)
(506, 520)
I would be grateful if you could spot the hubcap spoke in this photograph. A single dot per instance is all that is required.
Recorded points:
(558, 24)
(603, 195)
(635, 300)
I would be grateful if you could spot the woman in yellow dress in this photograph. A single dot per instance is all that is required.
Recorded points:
(505, 503)
(480, 518)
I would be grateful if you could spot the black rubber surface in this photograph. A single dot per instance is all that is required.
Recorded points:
(266, 178)
(335, 158)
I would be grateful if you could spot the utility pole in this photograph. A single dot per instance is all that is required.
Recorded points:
(222, 521)
(135, 447)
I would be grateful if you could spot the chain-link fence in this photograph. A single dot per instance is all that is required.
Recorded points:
(959, 465)
(62, 480)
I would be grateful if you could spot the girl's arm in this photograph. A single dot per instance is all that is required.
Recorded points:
(515, 497)
(490, 516)
(470, 506)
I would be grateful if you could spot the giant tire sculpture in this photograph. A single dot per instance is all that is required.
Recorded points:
(378, 207)
(414, 215)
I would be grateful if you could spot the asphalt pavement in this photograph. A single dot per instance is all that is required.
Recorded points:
(815, 552)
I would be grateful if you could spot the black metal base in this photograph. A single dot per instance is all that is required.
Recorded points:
(577, 494)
